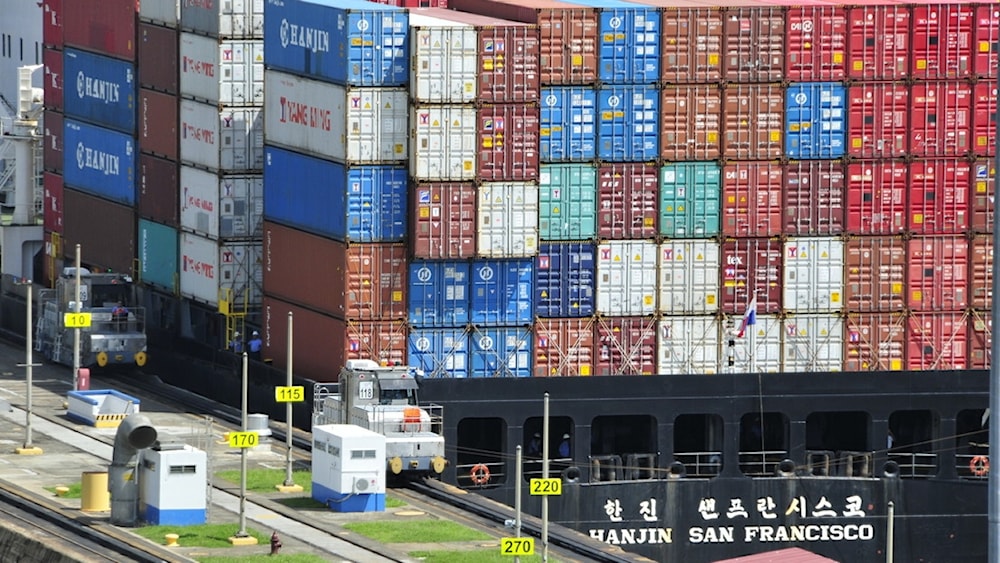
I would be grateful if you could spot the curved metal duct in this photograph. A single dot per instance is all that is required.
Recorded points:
(135, 433)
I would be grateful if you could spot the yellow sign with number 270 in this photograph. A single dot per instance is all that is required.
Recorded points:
(517, 546)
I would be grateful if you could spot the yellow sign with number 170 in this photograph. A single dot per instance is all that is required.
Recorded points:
(243, 439)
(517, 546)
(291, 394)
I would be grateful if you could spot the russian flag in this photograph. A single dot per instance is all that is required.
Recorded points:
(749, 317)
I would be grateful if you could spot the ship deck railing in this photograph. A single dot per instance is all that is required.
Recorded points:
(700, 464)
(915, 465)
(968, 469)
(763, 463)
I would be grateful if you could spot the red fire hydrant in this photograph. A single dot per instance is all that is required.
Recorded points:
(275, 543)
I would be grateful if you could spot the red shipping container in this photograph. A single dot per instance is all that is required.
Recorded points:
(753, 119)
(752, 203)
(158, 58)
(443, 220)
(937, 341)
(690, 122)
(321, 343)
(508, 142)
(52, 152)
(347, 281)
(158, 117)
(754, 44)
(104, 230)
(877, 120)
(52, 86)
(987, 41)
(568, 34)
(983, 185)
(751, 265)
(981, 272)
(52, 23)
(942, 40)
(816, 36)
(938, 276)
(159, 187)
(875, 342)
(415, 3)
(879, 42)
(53, 212)
(625, 346)
(814, 197)
(940, 121)
(939, 196)
(984, 118)
(104, 26)
(980, 339)
(691, 41)
(564, 347)
(627, 203)
(876, 197)
(875, 274)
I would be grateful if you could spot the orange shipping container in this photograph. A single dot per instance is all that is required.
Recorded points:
(938, 273)
(983, 185)
(754, 44)
(625, 346)
(874, 342)
(937, 341)
(981, 278)
(753, 119)
(690, 41)
(752, 199)
(690, 122)
(875, 269)
(564, 347)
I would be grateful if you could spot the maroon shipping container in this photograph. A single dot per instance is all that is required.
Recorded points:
(158, 56)
(322, 343)
(980, 339)
(754, 44)
(690, 122)
(984, 113)
(751, 265)
(691, 41)
(53, 83)
(508, 142)
(816, 37)
(627, 201)
(875, 342)
(878, 118)
(938, 273)
(752, 203)
(415, 3)
(568, 34)
(625, 346)
(987, 41)
(939, 196)
(814, 195)
(983, 186)
(942, 40)
(53, 212)
(937, 341)
(981, 272)
(104, 230)
(158, 117)
(103, 26)
(940, 120)
(876, 197)
(564, 347)
(875, 274)
(348, 281)
(753, 119)
(879, 42)
(52, 152)
(159, 194)
(52, 23)
(443, 220)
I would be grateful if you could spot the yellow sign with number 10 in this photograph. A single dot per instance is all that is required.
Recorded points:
(292, 394)
(76, 320)
(517, 546)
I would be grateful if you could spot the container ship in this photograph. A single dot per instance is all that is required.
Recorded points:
(744, 246)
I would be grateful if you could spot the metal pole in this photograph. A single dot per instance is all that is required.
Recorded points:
(994, 429)
(545, 475)
(890, 531)
(76, 331)
(517, 498)
(288, 409)
(243, 457)
(27, 363)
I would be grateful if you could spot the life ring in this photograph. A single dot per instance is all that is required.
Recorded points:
(480, 474)
(980, 465)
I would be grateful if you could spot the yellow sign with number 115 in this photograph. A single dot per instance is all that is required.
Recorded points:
(291, 394)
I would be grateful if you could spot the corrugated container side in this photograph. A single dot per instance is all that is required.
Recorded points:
(501, 352)
(564, 347)
(502, 292)
(109, 30)
(939, 196)
(224, 72)
(937, 341)
(439, 293)
(980, 340)
(224, 19)
(754, 44)
(626, 278)
(689, 277)
(983, 190)
(443, 60)
(508, 142)
(158, 189)
(157, 254)
(813, 277)
(52, 23)
(942, 40)
(815, 197)
(629, 51)
(221, 207)
(879, 42)
(568, 128)
(981, 272)
(440, 352)
(876, 197)
(52, 87)
(878, 116)
(984, 123)
(752, 203)
(211, 270)
(158, 117)
(762, 353)
(625, 346)
(564, 280)
(567, 201)
(52, 215)
(105, 243)
(690, 43)
(227, 140)
(874, 342)
(875, 274)
(628, 124)
(162, 13)
(99, 161)
(817, 43)
(443, 220)
(53, 151)
(507, 220)
(53, 262)
(104, 91)
(443, 143)
(627, 201)
(938, 273)
(816, 120)
(688, 345)
(940, 118)
(751, 265)
(158, 57)
(753, 119)
(690, 122)
(690, 195)
(986, 41)
(812, 343)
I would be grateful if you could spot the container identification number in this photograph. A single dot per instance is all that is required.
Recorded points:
(289, 394)
(546, 487)
(243, 439)
(76, 320)
(517, 546)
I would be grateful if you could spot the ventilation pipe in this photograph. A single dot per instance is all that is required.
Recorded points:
(135, 433)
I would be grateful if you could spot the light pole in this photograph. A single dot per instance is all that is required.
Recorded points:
(76, 331)
(289, 484)
(29, 448)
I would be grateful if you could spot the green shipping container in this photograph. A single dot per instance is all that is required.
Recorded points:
(689, 199)
(158, 254)
(567, 202)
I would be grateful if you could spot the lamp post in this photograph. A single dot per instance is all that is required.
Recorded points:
(29, 448)
(76, 331)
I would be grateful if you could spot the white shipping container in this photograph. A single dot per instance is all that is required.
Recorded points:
(759, 350)
(689, 277)
(243, 19)
(228, 140)
(161, 12)
(349, 124)
(814, 275)
(223, 207)
(688, 345)
(626, 278)
(444, 60)
(814, 343)
(444, 141)
(223, 72)
(507, 220)
(230, 269)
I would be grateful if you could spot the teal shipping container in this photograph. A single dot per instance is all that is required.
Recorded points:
(689, 199)
(567, 195)
(158, 254)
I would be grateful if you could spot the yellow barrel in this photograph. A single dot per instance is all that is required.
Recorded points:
(94, 494)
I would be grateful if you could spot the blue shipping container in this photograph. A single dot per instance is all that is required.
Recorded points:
(629, 51)
(568, 124)
(349, 42)
(158, 254)
(815, 120)
(501, 352)
(628, 123)
(99, 161)
(502, 292)
(99, 90)
(346, 203)
(440, 352)
(564, 280)
(689, 199)
(439, 293)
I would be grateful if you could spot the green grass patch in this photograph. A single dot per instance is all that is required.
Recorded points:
(280, 558)
(202, 535)
(74, 490)
(264, 480)
(422, 531)
(477, 555)
(392, 502)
